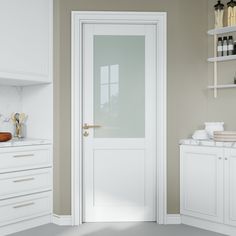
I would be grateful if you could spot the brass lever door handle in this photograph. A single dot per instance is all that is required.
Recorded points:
(86, 126)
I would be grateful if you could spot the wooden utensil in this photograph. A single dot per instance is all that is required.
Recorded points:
(5, 136)
(22, 117)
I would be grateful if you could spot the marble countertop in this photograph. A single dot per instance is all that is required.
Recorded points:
(24, 142)
(209, 143)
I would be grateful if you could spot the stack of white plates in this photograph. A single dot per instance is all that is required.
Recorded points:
(225, 136)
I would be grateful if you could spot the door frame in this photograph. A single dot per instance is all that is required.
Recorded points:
(159, 19)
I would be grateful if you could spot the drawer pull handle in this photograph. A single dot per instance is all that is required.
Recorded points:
(27, 155)
(23, 180)
(24, 205)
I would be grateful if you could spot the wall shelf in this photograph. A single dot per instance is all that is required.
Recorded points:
(223, 86)
(224, 30)
(21, 82)
(215, 59)
(225, 58)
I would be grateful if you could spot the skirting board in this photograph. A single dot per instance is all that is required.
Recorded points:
(173, 219)
(208, 225)
(62, 220)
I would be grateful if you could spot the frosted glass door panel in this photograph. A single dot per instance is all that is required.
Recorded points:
(119, 86)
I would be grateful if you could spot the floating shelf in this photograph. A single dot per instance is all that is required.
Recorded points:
(222, 86)
(226, 58)
(223, 30)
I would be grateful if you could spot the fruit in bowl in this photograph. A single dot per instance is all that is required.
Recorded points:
(5, 136)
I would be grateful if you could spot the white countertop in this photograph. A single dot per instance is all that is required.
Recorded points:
(209, 143)
(24, 142)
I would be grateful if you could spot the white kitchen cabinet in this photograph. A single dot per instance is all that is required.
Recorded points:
(202, 182)
(25, 42)
(22, 158)
(23, 208)
(26, 185)
(230, 186)
(208, 185)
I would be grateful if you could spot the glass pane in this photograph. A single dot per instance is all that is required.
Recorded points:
(119, 86)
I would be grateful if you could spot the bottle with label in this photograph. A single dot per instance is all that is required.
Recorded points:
(220, 47)
(225, 46)
(234, 47)
(230, 46)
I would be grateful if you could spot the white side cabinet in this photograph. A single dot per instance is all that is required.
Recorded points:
(26, 42)
(230, 186)
(208, 187)
(25, 187)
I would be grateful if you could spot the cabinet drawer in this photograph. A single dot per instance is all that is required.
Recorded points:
(25, 182)
(25, 158)
(23, 208)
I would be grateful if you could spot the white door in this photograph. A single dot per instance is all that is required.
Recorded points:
(202, 182)
(119, 98)
(230, 186)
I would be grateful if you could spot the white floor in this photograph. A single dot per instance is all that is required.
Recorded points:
(117, 229)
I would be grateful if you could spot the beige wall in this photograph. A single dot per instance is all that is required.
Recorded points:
(187, 81)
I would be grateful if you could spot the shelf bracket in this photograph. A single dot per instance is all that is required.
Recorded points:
(215, 66)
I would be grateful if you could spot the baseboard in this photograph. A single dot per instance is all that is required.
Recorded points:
(62, 219)
(24, 225)
(173, 219)
(208, 225)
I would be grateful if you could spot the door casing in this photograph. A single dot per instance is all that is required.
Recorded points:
(84, 17)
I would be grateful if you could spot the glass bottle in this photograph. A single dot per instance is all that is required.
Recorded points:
(220, 47)
(230, 46)
(225, 46)
(231, 13)
(234, 47)
(219, 14)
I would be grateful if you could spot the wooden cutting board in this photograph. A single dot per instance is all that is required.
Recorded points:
(5, 136)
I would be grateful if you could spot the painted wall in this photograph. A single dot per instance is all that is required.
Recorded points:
(187, 81)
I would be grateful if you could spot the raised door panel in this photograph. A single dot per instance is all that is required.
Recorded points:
(202, 182)
(230, 186)
(25, 42)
